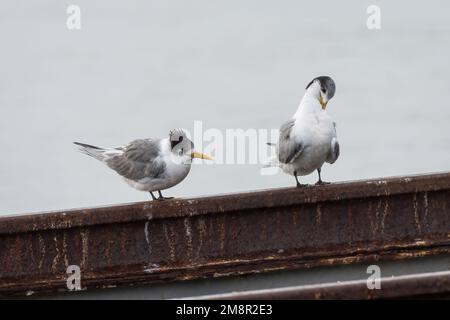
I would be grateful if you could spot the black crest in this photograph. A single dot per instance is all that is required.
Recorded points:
(179, 140)
(176, 136)
(326, 85)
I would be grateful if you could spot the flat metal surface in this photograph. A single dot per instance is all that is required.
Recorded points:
(254, 232)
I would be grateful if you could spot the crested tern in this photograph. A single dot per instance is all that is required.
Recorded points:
(309, 139)
(150, 164)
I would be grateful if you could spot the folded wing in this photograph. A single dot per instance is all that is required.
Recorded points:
(139, 159)
(289, 146)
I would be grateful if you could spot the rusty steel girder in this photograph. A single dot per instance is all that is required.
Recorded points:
(434, 285)
(253, 232)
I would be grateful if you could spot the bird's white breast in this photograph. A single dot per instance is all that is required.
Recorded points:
(176, 169)
(315, 130)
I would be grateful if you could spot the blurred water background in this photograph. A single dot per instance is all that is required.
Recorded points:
(137, 69)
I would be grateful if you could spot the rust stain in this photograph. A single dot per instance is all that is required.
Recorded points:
(222, 235)
(84, 247)
(64, 249)
(56, 258)
(383, 215)
(294, 218)
(188, 236)
(201, 230)
(425, 205)
(318, 214)
(377, 215)
(170, 241)
(371, 221)
(278, 227)
(42, 250)
(350, 224)
(416, 214)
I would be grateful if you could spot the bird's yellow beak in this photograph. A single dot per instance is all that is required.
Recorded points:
(200, 155)
(322, 103)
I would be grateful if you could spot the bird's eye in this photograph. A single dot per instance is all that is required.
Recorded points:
(323, 89)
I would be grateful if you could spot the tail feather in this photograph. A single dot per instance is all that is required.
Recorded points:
(93, 151)
(84, 145)
(273, 162)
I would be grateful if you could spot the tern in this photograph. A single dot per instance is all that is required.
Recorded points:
(309, 139)
(150, 164)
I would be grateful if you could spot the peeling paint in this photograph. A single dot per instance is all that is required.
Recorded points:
(147, 239)
(152, 268)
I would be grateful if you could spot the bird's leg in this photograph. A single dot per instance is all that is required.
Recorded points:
(153, 196)
(320, 182)
(296, 180)
(161, 196)
(299, 185)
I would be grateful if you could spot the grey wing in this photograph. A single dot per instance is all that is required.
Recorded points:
(334, 151)
(289, 147)
(140, 159)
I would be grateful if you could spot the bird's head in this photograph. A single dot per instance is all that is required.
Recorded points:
(323, 88)
(183, 147)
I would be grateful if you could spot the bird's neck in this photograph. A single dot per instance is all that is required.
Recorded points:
(309, 104)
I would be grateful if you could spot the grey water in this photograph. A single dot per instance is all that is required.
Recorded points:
(137, 69)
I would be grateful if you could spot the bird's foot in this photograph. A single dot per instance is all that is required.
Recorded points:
(164, 198)
(161, 197)
(321, 183)
(302, 185)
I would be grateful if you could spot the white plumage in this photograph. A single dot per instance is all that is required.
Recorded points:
(309, 139)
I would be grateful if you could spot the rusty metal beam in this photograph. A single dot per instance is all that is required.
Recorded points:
(428, 285)
(147, 242)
